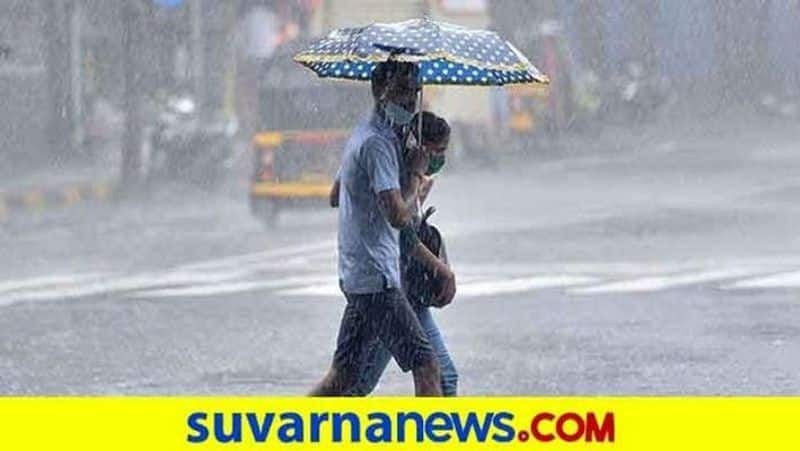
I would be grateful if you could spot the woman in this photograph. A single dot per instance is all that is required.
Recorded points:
(421, 165)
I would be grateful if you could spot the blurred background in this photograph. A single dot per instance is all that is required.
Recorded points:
(630, 228)
(84, 81)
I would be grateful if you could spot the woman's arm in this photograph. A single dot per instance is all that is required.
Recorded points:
(333, 197)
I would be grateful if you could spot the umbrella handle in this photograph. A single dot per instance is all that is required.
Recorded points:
(419, 132)
(419, 116)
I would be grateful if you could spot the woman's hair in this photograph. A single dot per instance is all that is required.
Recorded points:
(434, 128)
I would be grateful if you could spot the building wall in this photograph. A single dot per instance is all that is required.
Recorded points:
(353, 13)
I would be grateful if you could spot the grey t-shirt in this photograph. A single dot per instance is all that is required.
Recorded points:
(369, 251)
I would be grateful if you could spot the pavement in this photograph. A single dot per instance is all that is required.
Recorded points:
(669, 268)
(26, 191)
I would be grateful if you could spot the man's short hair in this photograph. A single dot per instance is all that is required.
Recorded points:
(386, 71)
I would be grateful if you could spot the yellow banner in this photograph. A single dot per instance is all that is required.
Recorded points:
(473, 424)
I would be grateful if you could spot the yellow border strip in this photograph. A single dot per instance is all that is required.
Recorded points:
(308, 424)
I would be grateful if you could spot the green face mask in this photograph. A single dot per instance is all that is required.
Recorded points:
(435, 164)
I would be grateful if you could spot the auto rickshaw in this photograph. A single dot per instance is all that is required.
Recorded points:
(526, 105)
(304, 123)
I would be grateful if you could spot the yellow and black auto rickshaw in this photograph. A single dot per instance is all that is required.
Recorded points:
(526, 108)
(304, 123)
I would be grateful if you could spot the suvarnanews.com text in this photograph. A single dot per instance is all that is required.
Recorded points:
(399, 427)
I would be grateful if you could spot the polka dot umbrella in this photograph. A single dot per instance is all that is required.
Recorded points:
(446, 54)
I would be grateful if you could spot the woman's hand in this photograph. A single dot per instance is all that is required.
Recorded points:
(417, 160)
(425, 186)
(440, 270)
(448, 281)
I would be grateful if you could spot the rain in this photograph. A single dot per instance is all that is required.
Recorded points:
(618, 203)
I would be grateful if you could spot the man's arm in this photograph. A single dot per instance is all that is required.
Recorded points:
(399, 216)
(411, 190)
(416, 162)
(425, 188)
(383, 169)
(395, 208)
(380, 162)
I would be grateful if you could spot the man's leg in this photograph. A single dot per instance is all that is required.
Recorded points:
(354, 335)
(377, 359)
(330, 385)
(375, 362)
(389, 316)
(400, 331)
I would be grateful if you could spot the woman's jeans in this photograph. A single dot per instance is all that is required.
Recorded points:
(378, 357)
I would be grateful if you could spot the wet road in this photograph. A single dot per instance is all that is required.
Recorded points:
(672, 269)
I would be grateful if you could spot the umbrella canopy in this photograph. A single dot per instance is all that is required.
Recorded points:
(446, 54)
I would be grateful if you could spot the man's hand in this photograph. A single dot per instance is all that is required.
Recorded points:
(416, 163)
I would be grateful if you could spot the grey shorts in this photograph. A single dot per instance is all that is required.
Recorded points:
(388, 316)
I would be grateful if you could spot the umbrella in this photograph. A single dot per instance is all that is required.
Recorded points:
(446, 54)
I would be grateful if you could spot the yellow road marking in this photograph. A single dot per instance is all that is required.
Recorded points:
(72, 195)
(33, 199)
(101, 191)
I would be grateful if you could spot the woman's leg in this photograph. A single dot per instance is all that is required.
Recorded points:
(446, 366)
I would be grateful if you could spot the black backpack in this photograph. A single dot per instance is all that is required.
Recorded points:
(420, 285)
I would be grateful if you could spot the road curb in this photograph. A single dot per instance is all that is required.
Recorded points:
(44, 198)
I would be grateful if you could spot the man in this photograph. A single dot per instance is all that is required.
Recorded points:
(373, 219)
(422, 166)
(435, 139)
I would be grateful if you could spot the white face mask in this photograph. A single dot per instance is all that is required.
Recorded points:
(397, 114)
